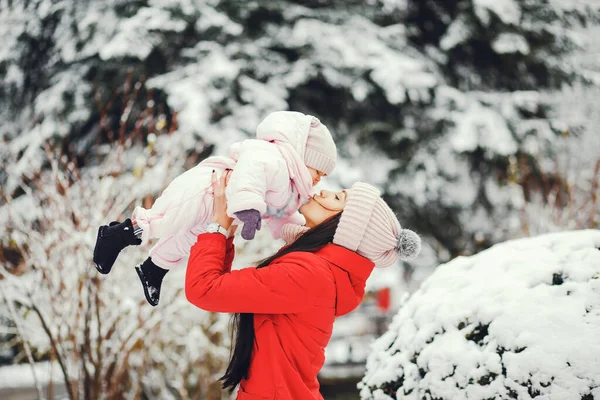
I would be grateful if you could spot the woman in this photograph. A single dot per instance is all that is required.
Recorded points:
(288, 308)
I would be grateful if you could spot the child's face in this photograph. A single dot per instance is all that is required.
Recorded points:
(315, 175)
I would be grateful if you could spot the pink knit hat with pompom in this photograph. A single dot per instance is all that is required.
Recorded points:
(369, 227)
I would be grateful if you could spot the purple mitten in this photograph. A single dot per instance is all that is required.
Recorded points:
(252, 222)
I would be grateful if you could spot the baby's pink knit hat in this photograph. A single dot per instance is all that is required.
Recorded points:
(320, 152)
(369, 227)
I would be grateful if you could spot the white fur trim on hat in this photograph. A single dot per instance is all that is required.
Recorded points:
(409, 244)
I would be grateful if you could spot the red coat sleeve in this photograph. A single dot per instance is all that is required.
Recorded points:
(281, 288)
(229, 254)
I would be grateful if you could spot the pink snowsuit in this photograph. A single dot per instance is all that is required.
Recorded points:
(269, 175)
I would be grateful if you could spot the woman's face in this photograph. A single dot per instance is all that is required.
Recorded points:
(323, 206)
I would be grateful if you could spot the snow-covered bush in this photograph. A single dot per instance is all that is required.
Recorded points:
(517, 321)
(107, 341)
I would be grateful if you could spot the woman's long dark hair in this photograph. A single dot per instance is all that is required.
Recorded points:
(311, 241)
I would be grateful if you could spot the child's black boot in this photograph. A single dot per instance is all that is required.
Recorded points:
(110, 241)
(151, 276)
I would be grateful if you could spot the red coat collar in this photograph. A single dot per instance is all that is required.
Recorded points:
(347, 260)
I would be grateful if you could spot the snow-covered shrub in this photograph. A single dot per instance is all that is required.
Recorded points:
(517, 321)
(107, 341)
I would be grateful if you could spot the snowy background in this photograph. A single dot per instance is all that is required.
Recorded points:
(477, 119)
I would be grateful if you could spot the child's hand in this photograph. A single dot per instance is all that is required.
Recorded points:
(220, 200)
(252, 223)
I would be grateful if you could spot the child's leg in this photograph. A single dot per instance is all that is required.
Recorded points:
(171, 251)
(179, 208)
(168, 253)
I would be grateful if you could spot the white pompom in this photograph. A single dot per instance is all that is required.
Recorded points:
(409, 244)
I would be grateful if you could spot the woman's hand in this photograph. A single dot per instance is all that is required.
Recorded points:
(220, 201)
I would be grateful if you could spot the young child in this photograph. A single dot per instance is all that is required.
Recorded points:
(272, 175)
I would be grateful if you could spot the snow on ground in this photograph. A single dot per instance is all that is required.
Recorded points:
(22, 375)
(519, 320)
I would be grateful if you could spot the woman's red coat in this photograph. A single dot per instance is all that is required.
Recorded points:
(294, 300)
